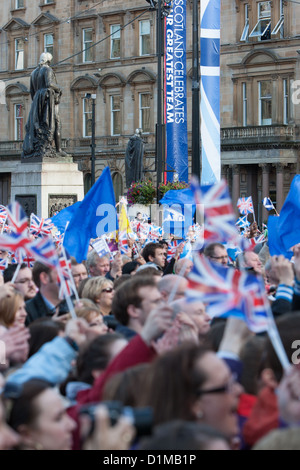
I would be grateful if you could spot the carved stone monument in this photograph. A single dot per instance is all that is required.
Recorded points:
(46, 172)
(134, 157)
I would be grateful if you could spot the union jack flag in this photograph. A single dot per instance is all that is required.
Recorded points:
(18, 243)
(29, 261)
(16, 217)
(219, 218)
(40, 226)
(245, 205)
(65, 277)
(3, 264)
(228, 291)
(123, 242)
(43, 250)
(3, 214)
(172, 248)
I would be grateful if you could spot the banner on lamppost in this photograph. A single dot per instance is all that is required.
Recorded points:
(210, 91)
(176, 93)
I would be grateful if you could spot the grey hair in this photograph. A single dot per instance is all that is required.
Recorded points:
(45, 57)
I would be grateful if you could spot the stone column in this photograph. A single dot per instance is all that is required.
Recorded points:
(279, 186)
(265, 171)
(235, 184)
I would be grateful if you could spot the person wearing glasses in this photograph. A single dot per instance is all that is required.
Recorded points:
(217, 253)
(23, 282)
(100, 290)
(200, 387)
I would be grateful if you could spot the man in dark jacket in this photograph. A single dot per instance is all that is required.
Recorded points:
(46, 302)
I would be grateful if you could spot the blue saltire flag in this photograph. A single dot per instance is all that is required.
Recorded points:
(242, 222)
(64, 216)
(288, 223)
(268, 204)
(96, 215)
(178, 211)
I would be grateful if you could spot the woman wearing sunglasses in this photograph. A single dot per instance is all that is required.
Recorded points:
(100, 290)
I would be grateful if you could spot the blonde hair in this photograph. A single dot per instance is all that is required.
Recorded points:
(84, 308)
(93, 287)
(9, 307)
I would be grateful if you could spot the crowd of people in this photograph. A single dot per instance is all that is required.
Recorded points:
(141, 366)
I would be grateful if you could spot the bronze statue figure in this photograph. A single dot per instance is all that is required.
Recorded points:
(134, 158)
(43, 126)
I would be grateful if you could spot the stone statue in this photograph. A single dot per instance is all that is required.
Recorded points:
(134, 158)
(43, 125)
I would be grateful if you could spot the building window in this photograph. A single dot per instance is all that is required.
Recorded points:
(48, 43)
(19, 54)
(144, 111)
(18, 122)
(87, 117)
(265, 103)
(87, 40)
(118, 185)
(279, 26)
(144, 37)
(285, 102)
(244, 86)
(115, 106)
(245, 32)
(19, 4)
(262, 29)
(115, 41)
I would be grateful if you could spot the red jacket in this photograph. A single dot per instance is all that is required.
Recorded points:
(136, 352)
(264, 417)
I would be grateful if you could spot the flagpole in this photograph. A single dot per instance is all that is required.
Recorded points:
(16, 273)
(67, 297)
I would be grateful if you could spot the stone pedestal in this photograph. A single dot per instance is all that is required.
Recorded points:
(48, 186)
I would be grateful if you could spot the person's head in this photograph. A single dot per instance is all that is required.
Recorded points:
(217, 253)
(279, 439)
(8, 437)
(250, 355)
(126, 386)
(39, 416)
(196, 311)
(79, 272)
(130, 267)
(100, 290)
(23, 282)
(45, 278)
(97, 266)
(170, 281)
(45, 58)
(270, 370)
(184, 435)
(183, 267)
(198, 386)
(146, 270)
(134, 300)
(154, 253)
(12, 310)
(119, 280)
(252, 260)
(87, 309)
(42, 330)
(94, 356)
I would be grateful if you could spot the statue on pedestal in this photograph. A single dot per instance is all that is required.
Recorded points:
(43, 125)
(134, 158)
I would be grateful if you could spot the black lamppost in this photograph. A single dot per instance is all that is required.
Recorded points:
(163, 8)
(93, 144)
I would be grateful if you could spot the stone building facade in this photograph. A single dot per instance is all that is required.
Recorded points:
(107, 49)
